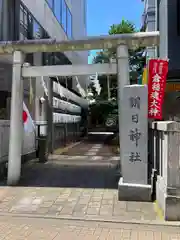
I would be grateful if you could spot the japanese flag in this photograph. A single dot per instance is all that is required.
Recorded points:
(27, 120)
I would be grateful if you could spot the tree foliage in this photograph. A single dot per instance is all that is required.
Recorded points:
(101, 57)
(137, 59)
(124, 26)
(100, 110)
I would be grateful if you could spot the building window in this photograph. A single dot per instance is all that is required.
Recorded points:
(64, 15)
(26, 24)
(51, 3)
(69, 23)
(23, 23)
(37, 30)
(29, 29)
(58, 10)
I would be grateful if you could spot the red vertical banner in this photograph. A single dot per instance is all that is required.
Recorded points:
(157, 74)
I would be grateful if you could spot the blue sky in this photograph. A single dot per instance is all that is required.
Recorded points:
(101, 14)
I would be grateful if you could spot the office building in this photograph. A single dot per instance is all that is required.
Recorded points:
(149, 22)
(164, 16)
(33, 19)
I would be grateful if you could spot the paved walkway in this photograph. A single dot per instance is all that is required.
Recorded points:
(90, 164)
(91, 147)
(74, 196)
(49, 229)
(73, 203)
(67, 187)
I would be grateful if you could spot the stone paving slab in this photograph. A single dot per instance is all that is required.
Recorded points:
(63, 150)
(80, 149)
(48, 229)
(81, 159)
(74, 203)
(71, 173)
(87, 148)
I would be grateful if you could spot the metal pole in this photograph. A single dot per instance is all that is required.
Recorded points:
(123, 78)
(108, 87)
(67, 123)
(49, 111)
(16, 123)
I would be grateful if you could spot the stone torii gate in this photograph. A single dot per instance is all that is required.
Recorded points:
(18, 49)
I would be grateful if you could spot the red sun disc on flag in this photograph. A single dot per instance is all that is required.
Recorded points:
(25, 116)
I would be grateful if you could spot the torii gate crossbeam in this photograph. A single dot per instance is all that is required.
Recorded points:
(18, 49)
(132, 40)
(69, 70)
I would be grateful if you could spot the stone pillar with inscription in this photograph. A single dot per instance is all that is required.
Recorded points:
(133, 185)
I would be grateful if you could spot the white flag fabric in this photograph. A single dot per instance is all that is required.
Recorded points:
(80, 89)
(44, 86)
(27, 120)
(60, 88)
(96, 84)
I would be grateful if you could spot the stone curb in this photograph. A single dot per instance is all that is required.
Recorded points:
(64, 150)
(94, 219)
(82, 164)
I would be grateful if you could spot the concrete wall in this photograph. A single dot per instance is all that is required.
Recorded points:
(80, 31)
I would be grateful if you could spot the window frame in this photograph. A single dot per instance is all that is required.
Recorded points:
(64, 25)
(69, 32)
(49, 4)
(24, 21)
(60, 11)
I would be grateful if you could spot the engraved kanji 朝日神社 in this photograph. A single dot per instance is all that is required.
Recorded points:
(135, 157)
(135, 136)
(135, 102)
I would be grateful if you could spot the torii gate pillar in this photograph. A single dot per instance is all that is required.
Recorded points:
(16, 121)
(122, 76)
(133, 184)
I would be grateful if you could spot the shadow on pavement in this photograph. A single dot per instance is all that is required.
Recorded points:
(55, 175)
(82, 172)
(97, 138)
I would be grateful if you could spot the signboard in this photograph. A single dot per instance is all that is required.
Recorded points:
(173, 87)
(133, 128)
(157, 74)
